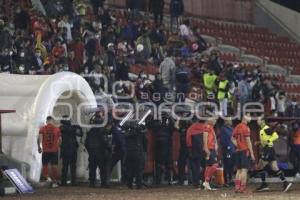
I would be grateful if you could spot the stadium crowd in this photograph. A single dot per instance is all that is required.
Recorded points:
(96, 40)
(73, 37)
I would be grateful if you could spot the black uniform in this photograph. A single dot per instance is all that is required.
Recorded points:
(118, 149)
(99, 151)
(69, 147)
(183, 152)
(162, 132)
(136, 146)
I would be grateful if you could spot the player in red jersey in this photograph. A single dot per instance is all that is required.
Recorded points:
(48, 145)
(244, 153)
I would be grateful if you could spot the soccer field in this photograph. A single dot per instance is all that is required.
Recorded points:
(164, 193)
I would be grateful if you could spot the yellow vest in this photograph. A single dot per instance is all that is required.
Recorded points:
(209, 81)
(265, 139)
(222, 86)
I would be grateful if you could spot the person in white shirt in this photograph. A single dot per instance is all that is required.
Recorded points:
(185, 30)
(281, 103)
(64, 23)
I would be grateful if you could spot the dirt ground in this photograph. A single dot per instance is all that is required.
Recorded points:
(163, 193)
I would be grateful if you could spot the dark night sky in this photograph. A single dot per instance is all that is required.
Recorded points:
(292, 4)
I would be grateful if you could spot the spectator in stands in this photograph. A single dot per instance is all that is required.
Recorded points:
(96, 5)
(58, 50)
(243, 92)
(257, 92)
(37, 62)
(176, 10)
(104, 16)
(293, 109)
(6, 63)
(157, 54)
(5, 37)
(21, 19)
(96, 80)
(145, 41)
(215, 63)
(168, 70)
(273, 104)
(77, 46)
(122, 67)
(157, 35)
(65, 23)
(134, 6)
(281, 100)
(73, 63)
(157, 8)
(223, 87)
(185, 30)
(108, 37)
(202, 45)
(182, 81)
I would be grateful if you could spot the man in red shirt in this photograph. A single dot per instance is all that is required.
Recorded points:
(244, 152)
(48, 144)
(210, 148)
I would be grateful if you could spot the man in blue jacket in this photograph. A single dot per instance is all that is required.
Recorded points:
(228, 151)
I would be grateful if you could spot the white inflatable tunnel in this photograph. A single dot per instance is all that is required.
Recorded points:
(34, 97)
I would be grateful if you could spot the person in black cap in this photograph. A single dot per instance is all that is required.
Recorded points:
(136, 146)
(182, 126)
(99, 151)
(162, 133)
(68, 153)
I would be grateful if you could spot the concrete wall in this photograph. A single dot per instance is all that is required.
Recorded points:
(277, 18)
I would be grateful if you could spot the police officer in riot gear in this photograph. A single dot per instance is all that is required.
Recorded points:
(162, 133)
(118, 148)
(69, 147)
(99, 150)
(136, 146)
(182, 126)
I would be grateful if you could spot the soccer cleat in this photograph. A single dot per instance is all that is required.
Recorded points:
(287, 186)
(237, 186)
(263, 187)
(244, 190)
(206, 186)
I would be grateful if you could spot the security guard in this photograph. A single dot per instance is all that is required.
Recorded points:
(223, 92)
(68, 152)
(267, 137)
(182, 126)
(209, 81)
(136, 146)
(228, 150)
(162, 133)
(99, 151)
(118, 149)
